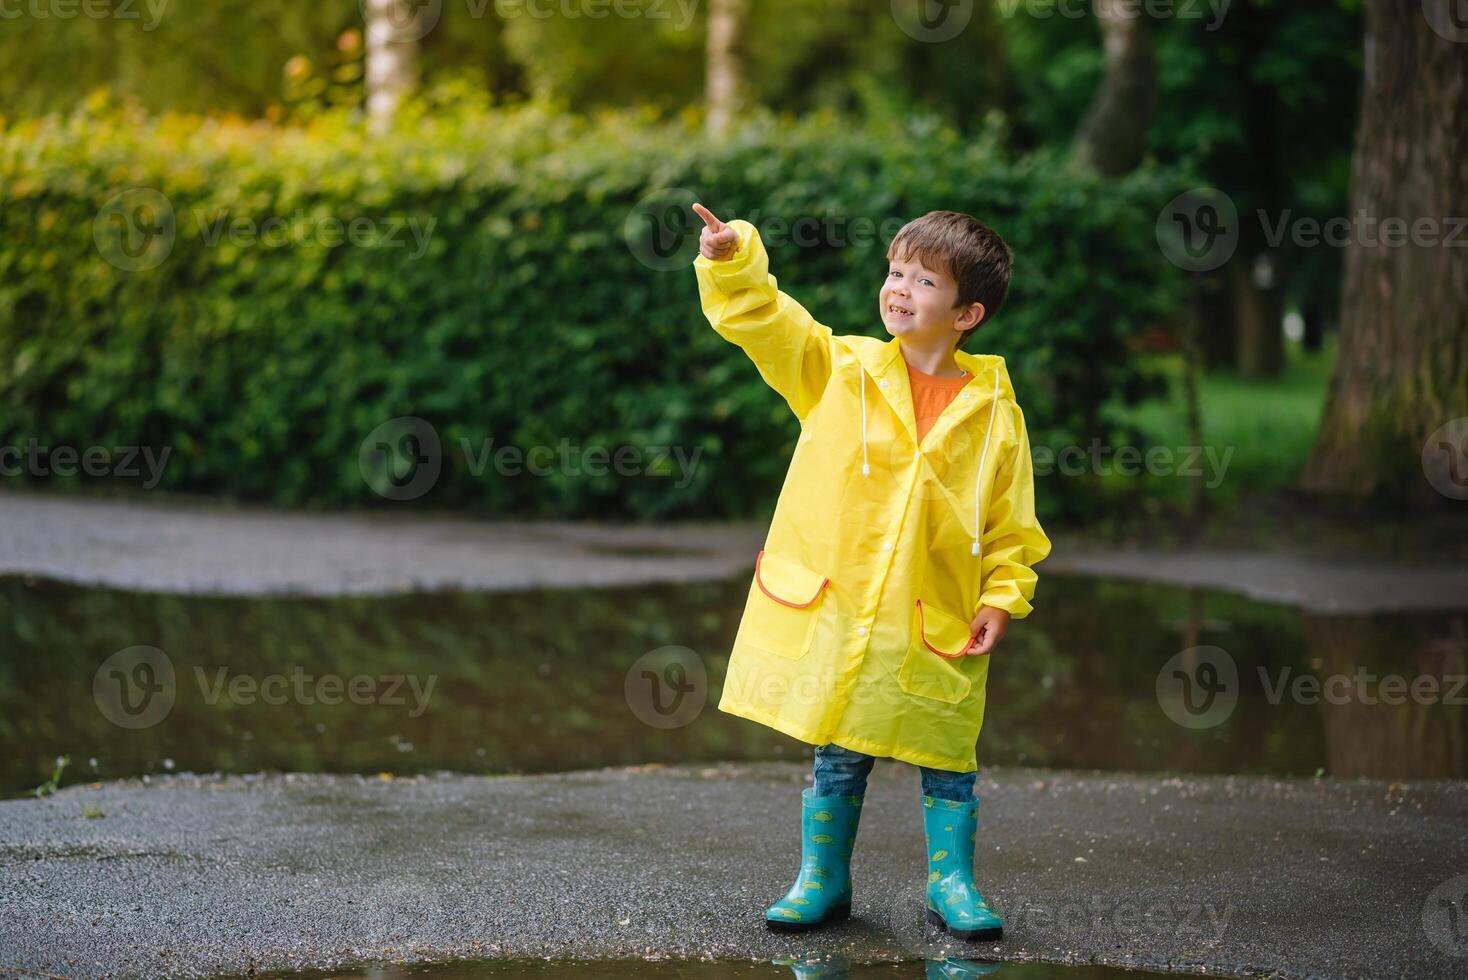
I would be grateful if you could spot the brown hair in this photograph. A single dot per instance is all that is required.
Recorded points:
(967, 250)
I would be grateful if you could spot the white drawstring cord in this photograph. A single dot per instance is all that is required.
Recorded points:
(979, 479)
(865, 469)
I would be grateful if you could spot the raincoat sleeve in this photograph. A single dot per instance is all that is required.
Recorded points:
(1013, 540)
(744, 304)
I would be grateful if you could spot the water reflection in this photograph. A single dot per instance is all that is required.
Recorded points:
(547, 680)
(937, 968)
(1392, 695)
(832, 966)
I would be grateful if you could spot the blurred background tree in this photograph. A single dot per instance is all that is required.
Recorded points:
(1255, 97)
(1403, 367)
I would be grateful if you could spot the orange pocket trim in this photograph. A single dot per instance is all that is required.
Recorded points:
(923, 632)
(784, 602)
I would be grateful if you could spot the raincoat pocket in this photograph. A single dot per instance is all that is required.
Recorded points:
(930, 669)
(781, 616)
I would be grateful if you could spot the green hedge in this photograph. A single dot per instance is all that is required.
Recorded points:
(537, 313)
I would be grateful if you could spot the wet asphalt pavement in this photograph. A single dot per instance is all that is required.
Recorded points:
(1237, 876)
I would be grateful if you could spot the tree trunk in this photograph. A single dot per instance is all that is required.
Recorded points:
(392, 58)
(1192, 351)
(724, 84)
(1258, 269)
(1214, 306)
(1259, 308)
(1111, 137)
(1314, 336)
(1402, 371)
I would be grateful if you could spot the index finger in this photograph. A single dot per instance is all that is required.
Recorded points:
(714, 224)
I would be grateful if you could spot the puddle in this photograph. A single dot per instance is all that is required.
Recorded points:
(822, 968)
(539, 681)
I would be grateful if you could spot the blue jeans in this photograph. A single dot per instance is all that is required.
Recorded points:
(843, 772)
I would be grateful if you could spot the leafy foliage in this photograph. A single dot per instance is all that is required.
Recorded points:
(262, 362)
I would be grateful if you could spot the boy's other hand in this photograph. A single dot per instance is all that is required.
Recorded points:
(988, 628)
(718, 241)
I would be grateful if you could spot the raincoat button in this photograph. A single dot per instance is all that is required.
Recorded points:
(861, 631)
(882, 383)
(887, 546)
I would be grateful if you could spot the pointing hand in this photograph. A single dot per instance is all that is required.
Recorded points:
(717, 241)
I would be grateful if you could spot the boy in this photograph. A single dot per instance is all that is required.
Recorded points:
(902, 544)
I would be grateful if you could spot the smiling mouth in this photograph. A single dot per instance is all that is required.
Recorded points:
(898, 311)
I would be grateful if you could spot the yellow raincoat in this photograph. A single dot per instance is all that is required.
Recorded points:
(875, 562)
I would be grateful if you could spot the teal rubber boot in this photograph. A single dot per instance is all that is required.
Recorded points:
(822, 891)
(953, 899)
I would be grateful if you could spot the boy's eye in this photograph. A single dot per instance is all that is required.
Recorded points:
(895, 272)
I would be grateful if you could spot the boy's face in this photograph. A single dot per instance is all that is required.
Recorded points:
(918, 305)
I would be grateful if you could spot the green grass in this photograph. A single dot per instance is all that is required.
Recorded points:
(1263, 429)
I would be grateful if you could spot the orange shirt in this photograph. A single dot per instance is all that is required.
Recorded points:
(931, 395)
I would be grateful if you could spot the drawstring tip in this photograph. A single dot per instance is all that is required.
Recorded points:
(975, 549)
(866, 470)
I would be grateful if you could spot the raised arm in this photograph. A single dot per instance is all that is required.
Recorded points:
(744, 304)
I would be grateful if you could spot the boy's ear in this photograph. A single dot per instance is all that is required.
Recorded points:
(968, 320)
(972, 316)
